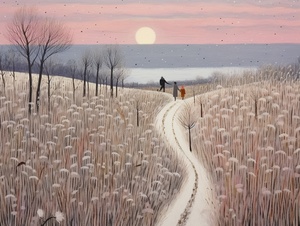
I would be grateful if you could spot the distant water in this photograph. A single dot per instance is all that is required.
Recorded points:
(193, 56)
(152, 75)
(148, 63)
(198, 56)
(186, 62)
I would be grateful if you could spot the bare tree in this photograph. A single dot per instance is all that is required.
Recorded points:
(3, 66)
(188, 120)
(201, 102)
(137, 113)
(104, 77)
(22, 33)
(86, 62)
(119, 75)
(98, 60)
(255, 95)
(126, 75)
(194, 93)
(73, 70)
(54, 38)
(112, 59)
(49, 69)
(88, 76)
(12, 59)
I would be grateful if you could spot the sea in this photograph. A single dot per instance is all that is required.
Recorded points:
(147, 63)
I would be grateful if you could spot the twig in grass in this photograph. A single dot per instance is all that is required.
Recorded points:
(19, 164)
(49, 218)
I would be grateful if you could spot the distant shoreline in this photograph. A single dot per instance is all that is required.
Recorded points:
(196, 55)
(152, 75)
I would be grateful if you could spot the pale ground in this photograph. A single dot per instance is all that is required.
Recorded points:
(201, 210)
(191, 212)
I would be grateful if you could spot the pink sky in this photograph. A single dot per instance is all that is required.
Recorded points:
(178, 22)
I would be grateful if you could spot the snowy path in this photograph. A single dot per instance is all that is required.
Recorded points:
(193, 205)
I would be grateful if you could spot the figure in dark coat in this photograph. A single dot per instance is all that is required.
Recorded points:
(175, 90)
(162, 83)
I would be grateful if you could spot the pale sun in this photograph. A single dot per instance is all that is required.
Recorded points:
(145, 35)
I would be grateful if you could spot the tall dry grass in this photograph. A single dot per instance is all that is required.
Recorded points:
(86, 159)
(248, 138)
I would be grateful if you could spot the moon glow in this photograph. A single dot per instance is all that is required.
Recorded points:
(145, 35)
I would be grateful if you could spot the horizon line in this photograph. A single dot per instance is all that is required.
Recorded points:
(123, 44)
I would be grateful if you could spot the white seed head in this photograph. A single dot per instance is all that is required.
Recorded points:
(59, 216)
(40, 213)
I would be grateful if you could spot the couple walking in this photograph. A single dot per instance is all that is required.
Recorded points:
(163, 82)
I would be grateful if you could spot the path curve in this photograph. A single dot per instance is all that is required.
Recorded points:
(194, 205)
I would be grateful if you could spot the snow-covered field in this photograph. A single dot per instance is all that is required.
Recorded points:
(98, 160)
(126, 160)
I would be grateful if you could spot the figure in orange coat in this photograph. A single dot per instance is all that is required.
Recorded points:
(182, 92)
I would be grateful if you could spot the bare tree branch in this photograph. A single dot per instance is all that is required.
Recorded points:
(98, 61)
(113, 59)
(121, 74)
(37, 38)
(188, 120)
(21, 32)
(54, 37)
(73, 70)
(86, 61)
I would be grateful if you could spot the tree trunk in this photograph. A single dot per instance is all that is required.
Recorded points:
(194, 94)
(117, 87)
(3, 80)
(137, 115)
(97, 82)
(30, 85)
(100, 82)
(255, 107)
(14, 75)
(190, 140)
(74, 89)
(111, 82)
(38, 89)
(201, 107)
(106, 84)
(84, 81)
(49, 94)
(88, 86)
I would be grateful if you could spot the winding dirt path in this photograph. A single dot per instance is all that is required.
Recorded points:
(193, 205)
